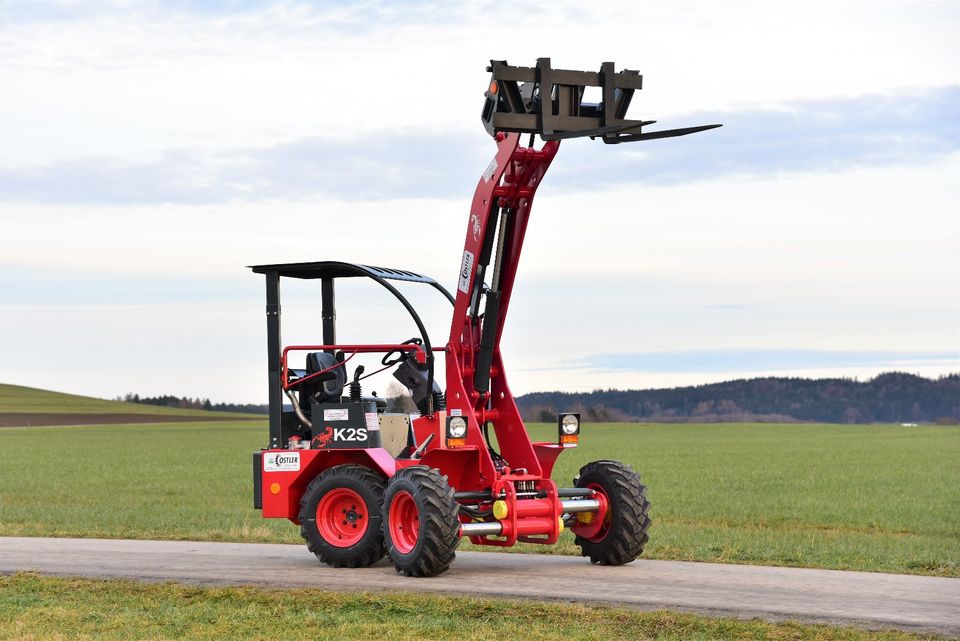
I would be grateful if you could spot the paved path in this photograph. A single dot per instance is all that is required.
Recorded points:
(915, 603)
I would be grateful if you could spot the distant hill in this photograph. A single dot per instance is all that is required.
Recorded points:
(891, 398)
(17, 399)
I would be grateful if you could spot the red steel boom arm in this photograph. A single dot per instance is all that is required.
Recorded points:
(476, 382)
(540, 101)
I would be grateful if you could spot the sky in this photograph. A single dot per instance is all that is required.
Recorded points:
(150, 151)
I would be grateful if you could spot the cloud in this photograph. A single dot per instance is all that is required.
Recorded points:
(341, 19)
(758, 360)
(51, 287)
(812, 136)
(374, 167)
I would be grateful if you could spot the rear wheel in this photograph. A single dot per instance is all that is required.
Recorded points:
(421, 528)
(340, 516)
(620, 536)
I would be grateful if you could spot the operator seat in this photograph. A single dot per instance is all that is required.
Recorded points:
(330, 385)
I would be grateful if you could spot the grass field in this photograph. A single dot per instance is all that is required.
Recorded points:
(43, 608)
(884, 498)
(19, 399)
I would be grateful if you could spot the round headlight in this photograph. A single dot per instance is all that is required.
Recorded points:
(457, 428)
(570, 424)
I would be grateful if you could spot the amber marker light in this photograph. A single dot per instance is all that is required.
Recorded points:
(568, 429)
(456, 431)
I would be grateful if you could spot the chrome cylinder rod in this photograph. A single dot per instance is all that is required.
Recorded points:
(492, 528)
(580, 505)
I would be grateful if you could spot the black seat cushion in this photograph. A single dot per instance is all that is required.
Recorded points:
(332, 383)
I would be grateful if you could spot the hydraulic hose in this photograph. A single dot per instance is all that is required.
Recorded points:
(297, 410)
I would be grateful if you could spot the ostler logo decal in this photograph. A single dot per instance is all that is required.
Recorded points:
(281, 462)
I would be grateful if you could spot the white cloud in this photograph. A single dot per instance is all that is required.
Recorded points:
(135, 82)
(859, 260)
(828, 135)
(851, 259)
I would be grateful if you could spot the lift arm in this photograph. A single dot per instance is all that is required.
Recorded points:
(549, 103)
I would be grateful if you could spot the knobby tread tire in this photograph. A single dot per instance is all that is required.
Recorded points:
(370, 486)
(629, 509)
(439, 532)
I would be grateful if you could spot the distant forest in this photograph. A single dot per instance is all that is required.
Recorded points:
(889, 398)
(185, 402)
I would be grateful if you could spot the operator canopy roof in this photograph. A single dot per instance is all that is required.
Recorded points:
(336, 269)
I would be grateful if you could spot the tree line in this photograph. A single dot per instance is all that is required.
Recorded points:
(186, 402)
(893, 397)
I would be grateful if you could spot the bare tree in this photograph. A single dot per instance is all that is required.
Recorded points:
(399, 400)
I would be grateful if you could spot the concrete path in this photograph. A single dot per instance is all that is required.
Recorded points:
(913, 603)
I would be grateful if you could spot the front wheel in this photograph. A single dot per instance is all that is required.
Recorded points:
(420, 524)
(619, 537)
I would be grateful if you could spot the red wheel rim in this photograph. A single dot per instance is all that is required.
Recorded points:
(342, 517)
(597, 531)
(404, 519)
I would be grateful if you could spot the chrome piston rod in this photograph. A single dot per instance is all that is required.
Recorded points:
(481, 529)
(493, 528)
(580, 505)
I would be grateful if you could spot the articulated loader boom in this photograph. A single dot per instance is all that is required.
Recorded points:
(539, 101)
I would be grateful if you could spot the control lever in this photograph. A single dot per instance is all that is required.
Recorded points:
(355, 394)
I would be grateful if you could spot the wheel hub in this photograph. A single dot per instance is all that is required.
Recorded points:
(596, 527)
(342, 517)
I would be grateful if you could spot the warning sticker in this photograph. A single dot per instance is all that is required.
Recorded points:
(466, 271)
(488, 172)
(336, 415)
(373, 423)
(281, 461)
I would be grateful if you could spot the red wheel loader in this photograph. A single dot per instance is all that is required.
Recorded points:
(363, 482)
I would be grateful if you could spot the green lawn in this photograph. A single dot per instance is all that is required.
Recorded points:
(883, 498)
(33, 608)
(19, 399)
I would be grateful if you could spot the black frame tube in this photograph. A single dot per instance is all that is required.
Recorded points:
(328, 312)
(274, 380)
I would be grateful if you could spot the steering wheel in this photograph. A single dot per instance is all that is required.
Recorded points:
(387, 362)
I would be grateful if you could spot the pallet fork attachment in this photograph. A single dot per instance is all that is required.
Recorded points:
(550, 103)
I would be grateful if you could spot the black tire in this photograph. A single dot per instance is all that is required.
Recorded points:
(425, 498)
(624, 533)
(368, 486)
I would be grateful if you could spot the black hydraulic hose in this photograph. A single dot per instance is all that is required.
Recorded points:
(473, 496)
(423, 334)
(443, 290)
(483, 261)
(491, 314)
(574, 492)
(476, 513)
